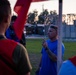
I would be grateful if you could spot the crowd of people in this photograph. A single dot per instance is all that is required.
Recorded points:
(14, 59)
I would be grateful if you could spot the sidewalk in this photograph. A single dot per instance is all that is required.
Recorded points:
(35, 36)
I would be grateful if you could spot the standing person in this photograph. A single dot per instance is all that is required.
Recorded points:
(68, 67)
(14, 58)
(23, 40)
(48, 63)
(10, 33)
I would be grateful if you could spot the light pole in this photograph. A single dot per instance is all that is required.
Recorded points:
(59, 52)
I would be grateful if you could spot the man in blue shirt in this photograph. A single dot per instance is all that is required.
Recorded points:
(10, 33)
(48, 63)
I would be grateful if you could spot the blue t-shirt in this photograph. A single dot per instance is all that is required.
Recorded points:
(10, 34)
(67, 68)
(49, 67)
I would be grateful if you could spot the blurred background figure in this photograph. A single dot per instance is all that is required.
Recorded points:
(10, 33)
(68, 67)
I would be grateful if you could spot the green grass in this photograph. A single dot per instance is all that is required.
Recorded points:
(34, 46)
(70, 49)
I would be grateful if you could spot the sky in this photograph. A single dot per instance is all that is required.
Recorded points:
(68, 6)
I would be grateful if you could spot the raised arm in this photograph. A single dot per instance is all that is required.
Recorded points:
(51, 55)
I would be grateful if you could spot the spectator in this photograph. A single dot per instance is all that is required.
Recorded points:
(13, 56)
(48, 63)
(68, 67)
(10, 33)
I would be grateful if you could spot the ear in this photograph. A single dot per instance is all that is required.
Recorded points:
(6, 20)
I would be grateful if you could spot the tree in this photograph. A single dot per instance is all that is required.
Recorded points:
(42, 17)
(31, 17)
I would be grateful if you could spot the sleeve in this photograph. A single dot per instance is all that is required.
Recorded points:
(63, 49)
(20, 57)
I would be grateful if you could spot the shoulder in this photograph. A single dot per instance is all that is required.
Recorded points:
(19, 52)
(67, 64)
(20, 46)
(19, 49)
(63, 45)
(21, 58)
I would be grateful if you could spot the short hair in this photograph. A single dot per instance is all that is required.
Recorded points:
(13, 18)
(5, 9)
(54, 27)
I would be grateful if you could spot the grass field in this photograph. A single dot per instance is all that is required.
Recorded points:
(34, 48)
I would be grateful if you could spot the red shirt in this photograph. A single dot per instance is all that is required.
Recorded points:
(6, 51)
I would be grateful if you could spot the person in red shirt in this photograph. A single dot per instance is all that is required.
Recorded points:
(14, 58)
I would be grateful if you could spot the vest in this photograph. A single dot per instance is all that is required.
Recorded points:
(6, 51)
(73, 60)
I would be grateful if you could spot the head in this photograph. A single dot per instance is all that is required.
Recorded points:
(13, 19)
(5, 13)
(52, 32)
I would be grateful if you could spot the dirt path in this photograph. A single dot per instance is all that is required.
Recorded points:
(35, 59)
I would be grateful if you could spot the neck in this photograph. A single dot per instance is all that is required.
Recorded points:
(2, 29)
(53, 39)
(1, 34)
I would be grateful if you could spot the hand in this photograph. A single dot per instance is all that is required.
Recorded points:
(44, 44)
